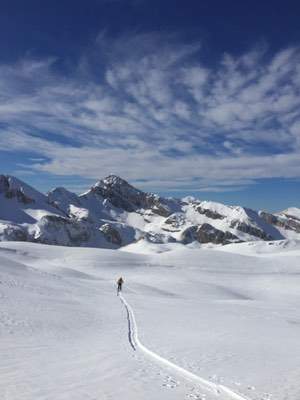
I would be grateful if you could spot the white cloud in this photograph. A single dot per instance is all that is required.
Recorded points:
(182, 110)
(160, 113)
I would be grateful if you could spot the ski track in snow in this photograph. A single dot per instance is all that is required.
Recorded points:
(219, 390)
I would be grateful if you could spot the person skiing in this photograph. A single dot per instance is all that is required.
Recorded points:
(120, 283)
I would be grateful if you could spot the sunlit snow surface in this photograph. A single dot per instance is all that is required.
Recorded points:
(230, 315)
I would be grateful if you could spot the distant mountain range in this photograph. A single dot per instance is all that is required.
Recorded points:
(112, 214)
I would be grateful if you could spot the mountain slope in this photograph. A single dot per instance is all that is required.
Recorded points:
(20, 203)
(28, 215)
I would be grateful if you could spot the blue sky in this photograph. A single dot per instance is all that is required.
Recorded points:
(178, 97)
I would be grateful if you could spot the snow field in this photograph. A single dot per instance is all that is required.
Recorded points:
(230, 316)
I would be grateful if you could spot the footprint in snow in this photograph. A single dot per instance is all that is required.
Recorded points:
(196, 396)
(171, 383)
(266, 396)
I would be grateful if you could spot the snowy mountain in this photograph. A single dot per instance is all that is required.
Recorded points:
(28, 215)
(113, 214)
(215, 323)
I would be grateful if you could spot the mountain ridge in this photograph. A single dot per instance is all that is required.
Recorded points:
(113, 214)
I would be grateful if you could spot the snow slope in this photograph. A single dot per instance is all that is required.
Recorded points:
(230, 316)
(213, 389)
(20, 210)
(293, 212)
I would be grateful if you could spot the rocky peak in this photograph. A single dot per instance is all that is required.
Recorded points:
(120, 193)
(123, 195)
(114, 180)
(118, 185)
(10, 190)
(62, 199)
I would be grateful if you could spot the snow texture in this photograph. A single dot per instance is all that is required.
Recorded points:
(208, 319)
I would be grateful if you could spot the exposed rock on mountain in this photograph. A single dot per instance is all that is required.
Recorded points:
(209, 213)
(206, 233)
(10, 191)
(122, 195)
(285, 221)
(53, 229)
(12, 232)
(111, 234)
(251, 230)
(292, 212)
(62, 199)
(174, 222)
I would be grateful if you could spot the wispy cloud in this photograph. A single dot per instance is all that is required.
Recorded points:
(149, 107)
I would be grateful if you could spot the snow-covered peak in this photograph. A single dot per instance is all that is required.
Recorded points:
(114, 180)
(230, 212)
(60, 190)
(13, 187)
(190, 199)
(63, 199)
(292, 212)
(20, 203)
(125, 196)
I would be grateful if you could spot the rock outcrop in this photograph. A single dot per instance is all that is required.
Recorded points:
(250, 230)
(284, 221)
(174, 222)
(206, 233)
(111, 234)
(209, 213)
